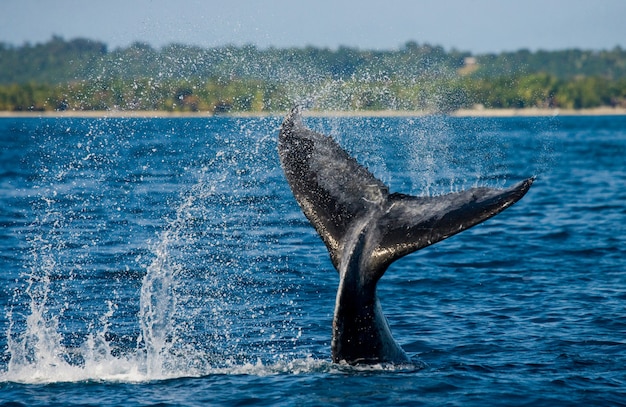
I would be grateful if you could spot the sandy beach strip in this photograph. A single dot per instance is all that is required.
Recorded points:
(102, 114)
(529, 112)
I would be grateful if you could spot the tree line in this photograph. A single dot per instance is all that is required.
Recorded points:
(84, 75)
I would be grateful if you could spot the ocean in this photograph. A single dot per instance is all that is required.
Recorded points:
(164, 261)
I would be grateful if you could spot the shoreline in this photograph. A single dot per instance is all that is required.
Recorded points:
(527, 112)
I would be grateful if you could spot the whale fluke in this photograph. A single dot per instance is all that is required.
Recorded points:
(366, 228)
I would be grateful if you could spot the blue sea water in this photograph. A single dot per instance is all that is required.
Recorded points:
(165, 262)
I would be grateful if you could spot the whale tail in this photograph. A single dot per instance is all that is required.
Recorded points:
(337, 194)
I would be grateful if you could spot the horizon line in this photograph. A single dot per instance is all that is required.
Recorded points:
(399, 48)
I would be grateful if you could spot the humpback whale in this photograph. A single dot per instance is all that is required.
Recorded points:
(366, 228)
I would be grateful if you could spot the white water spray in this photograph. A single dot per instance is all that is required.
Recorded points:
(69, 320)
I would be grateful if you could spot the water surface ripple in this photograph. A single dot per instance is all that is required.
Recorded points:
(165, 261)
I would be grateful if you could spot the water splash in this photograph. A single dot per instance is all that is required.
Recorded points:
(71, 320)
(38, 350)
(162, 293)
(122, 285)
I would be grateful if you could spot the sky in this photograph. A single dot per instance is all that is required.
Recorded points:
(477, 26)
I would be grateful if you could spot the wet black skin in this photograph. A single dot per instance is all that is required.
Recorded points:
(366, 228)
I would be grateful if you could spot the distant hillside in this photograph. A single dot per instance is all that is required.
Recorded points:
(565, 64)
(60, 61)
(86, 75)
